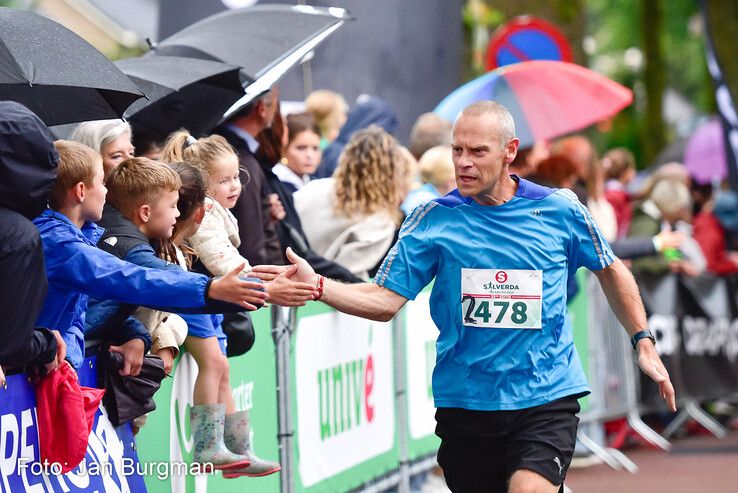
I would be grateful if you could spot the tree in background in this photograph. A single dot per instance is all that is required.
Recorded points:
(722, 17)
(650, 46)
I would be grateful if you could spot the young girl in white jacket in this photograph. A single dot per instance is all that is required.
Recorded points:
(214, 242)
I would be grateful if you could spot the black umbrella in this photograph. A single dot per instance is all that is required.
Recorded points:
(266, 40)
(181, 92)
(56, 74)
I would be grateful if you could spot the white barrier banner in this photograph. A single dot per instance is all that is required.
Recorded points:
(420, 341)
(344, 380)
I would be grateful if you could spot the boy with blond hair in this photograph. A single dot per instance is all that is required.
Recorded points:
(141, 206)
(76, 268)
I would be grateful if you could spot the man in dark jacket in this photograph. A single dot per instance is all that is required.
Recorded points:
(28, 164)
(289, 229)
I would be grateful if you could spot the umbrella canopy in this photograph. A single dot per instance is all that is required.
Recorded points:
(57, 74)
(265, 40)
(181, 92)
(705, 156)
(547, 99)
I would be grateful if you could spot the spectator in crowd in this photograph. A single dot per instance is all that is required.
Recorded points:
(109, 138)
(146, 144)
(301, 153)
(429, 130)
(437, 175)
(556, 172)
(272, 142)
(28, 165)
(253, 210)
(352, 217)
(619, 164)
(718, 216)
(667, 208)
(528, 159)
(580, 151)
(561, 172)
(591, 173)
(330, 111)
(76, 268)
(217, 239)
(369, 110)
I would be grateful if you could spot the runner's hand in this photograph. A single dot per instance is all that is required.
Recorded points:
(651, 365)
(232, 289)
(305, 272)
(287, 292)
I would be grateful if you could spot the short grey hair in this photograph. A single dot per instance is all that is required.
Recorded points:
(430, 130)
(504, 118)
(99, 133)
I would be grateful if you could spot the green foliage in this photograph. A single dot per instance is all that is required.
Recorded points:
(615, 28)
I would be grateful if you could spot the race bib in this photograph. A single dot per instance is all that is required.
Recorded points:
(501, 298)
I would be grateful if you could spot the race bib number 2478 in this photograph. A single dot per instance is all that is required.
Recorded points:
(501, 298)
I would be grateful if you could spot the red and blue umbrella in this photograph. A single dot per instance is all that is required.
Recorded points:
(547, 99)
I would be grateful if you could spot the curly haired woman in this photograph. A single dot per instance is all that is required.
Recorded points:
(351, 218)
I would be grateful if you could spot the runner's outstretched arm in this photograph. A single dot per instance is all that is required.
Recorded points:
(365, 300)
(621, 291)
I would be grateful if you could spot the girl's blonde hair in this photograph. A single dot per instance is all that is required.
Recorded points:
(437, 166)
(203, 153)
(371, 175)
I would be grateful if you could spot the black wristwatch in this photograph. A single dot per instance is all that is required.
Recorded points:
(642, 335)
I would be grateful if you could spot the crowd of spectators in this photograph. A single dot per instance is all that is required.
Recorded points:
(173, 242)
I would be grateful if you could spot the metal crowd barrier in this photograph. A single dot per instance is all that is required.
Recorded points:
(613, 380)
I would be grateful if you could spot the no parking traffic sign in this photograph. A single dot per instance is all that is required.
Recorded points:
(527, 38)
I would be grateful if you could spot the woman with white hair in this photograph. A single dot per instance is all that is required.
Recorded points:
(110, 138)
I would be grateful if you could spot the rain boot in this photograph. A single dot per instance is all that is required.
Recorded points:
(207, 422)
(237, 439)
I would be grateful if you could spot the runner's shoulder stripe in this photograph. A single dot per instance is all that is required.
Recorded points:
(594, 231)
(412, 222)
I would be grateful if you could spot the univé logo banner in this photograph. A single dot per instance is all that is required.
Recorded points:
(345, 416)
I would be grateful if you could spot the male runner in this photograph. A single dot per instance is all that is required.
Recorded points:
(501, 248)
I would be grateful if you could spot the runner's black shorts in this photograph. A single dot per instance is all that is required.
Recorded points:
(480, 450)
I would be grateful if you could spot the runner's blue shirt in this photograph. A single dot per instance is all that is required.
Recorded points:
(514, 347)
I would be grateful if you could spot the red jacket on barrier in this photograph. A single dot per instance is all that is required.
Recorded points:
(66, 413)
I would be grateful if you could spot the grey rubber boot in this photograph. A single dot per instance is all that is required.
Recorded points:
(208, 421)
(237, 440)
